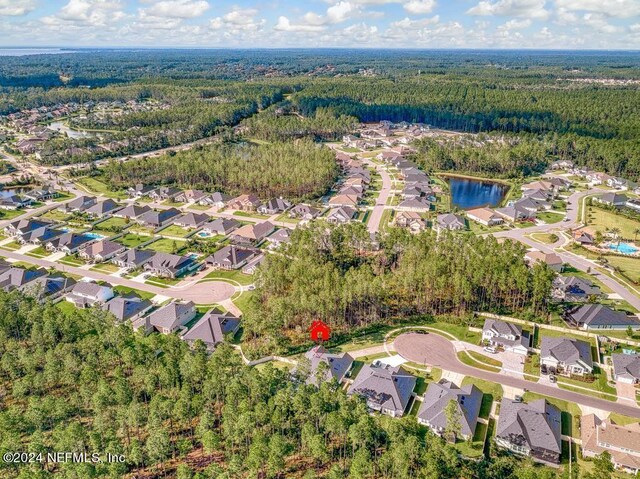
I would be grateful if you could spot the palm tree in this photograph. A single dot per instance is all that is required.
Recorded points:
(616, 234)
(636, 232)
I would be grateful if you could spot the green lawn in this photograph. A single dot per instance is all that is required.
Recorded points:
(66, 307)
(105, 268)
(630, 266)
(251, 215)
(547, 238)
(131, 240)
(93, 185)
(471, 358)
(236, 276)
(162, 282)
(72, 261)
(10, 214)
(603, 220)
(491, 392)
(142, 230)
(175, 230)
(139, 292)
(600, 385)
(474, 448)
(459, 331)
(285, 218)
(532, 366)
(167, 245)
(549, 217)
(56, 215)
(12, 246)
(63, 196)
(242, 302)
(113, 222)
(199, 207)
(39, 252)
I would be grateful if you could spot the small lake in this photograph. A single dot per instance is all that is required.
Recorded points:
(468, 193)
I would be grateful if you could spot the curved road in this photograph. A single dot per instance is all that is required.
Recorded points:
(438, 351)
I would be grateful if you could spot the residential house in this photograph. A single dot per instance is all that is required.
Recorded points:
(12, 277)
(220, 226)
(69, 242)
(253, 264)
(621, 442)
(43, 194)
(341, 215)
(626, 368)
(244, 203)
(515, 213)
(14, 202)
(485, 216)
(552, 260)
(562, 165)
(190, 196)
(573, 289)
(165, 265)
(304, 212)
(566, 356)
(532, 429)
(611, 199)
(48, 286)
(212, 329)
(158, 218)
(252, 234)
(191, 220)
(41, 236)
(171, 317)
(127, 308)
(140, 190)
(320, 365)
(344, 200)
(508, 336)
(85, 294)
(79, 204)
(133, 258)
(599, 316)
(20, 228)
(216, 199)
(411, 220)
(132, 211)
(595, 178)
(164, 193)
(584, 238)
(274, 206)
(100, 251)
(467, 400)
(280, 237)
(103, 208)
(230, 257)
(385, 388)
(414, 204)
(449, 222)
(634, 204)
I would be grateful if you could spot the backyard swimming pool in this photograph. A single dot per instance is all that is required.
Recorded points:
(93, 235)
(624, 248)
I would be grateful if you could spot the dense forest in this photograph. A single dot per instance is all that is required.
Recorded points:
(300, 169)
(336, 275)
(80, 383)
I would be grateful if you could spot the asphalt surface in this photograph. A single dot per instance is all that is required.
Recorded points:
(436, 350)
(373, 225)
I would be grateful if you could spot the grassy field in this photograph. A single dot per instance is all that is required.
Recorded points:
(532, 367)
(105, 268)
(39, 252)
(66, 307)
(56, 215)
(139, 292)
(234, 276)
(131, 240)
(175, 230)
(603, 220)
(460, 332)
(251, 215)
(113, 222)
(547, 238)
(479, 361)
(242, 302)
(162, 282)
(549, 217)
(96, 186)
(600, 385)
(72, 261)
(166, 245)
(12, 246)
(10, 214)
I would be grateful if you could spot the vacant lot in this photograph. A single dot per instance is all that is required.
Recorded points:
(131, 240)
(603, 221)
(166, 245)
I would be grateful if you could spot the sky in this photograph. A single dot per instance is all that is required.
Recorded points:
(499, 24)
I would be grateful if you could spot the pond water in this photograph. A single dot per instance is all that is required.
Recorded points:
(468, 193)
(63, 128)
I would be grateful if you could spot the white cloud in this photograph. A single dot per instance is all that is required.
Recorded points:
(284, 25)
(612, 8)
(93, 13)
(511, 8)
(238, 20)
(599, 22)
(337, 13)
(15, 8)
(177, 8)
(515, 25)
(420, 7)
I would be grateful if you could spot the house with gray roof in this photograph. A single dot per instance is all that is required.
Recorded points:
(611, 199)
(274, 206)
(79, 204)
(597, 316)
(532, 429)
(42, 194)
(103, 208)
(48, 286)
(626, 368)
(20, 228)
(515, 213)
(573, 289)
(17, 278)
(133, 258)
(304, 212)
(164, 193)
(414, 204)
(100, 251)
(566, 355)
(214, 199)
(467, 401)
(449, 222)
(170, 317)
(212, 329)
(41, 235)
(220, 226)
(85, 294)
(509, 336)
(132, 211)
(230, 257)
(387, 389)
(127, 308)
(341, 215)
(280, 237)
(140, 190)
(252, 234)
(325, 366)
(157, 218)
(69, 242)
(167, 265)
(191, 220)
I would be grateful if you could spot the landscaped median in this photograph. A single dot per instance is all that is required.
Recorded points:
(480, 361)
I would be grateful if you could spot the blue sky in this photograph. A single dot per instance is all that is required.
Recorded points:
(555, 24)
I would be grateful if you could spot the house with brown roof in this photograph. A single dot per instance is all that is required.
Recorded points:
(100, 251)
(252, 234)
(621, 442)
(244, 203)
(550, 259)
(485, 216)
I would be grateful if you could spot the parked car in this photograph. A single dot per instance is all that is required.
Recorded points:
(489, 349)
(420, 331)
(553, 379)
(543, 369)
(517, 398)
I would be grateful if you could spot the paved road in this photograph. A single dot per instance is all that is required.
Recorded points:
(577, 262)
(438, 351)
(373, 225)
(201, 293)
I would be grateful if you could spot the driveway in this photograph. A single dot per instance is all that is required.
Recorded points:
(512, 363)
(626, 393)
(437, 351)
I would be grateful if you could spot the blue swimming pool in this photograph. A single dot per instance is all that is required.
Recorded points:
(624, 248)
(202, 234)
(93, 235)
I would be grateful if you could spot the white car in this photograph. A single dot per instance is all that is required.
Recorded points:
(489, 349)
